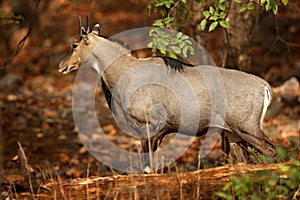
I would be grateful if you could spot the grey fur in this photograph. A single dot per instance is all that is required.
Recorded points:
(156, 107)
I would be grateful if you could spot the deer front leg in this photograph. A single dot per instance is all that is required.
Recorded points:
(147, 154)
(149, 146)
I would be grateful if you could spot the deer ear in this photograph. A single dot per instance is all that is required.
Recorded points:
(82, 31)
(96, 29)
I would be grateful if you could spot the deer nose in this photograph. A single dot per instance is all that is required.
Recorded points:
(60, 68)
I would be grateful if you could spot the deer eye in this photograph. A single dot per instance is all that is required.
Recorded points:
(74, 46)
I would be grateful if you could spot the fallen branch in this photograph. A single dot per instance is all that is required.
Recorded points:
(201, 184)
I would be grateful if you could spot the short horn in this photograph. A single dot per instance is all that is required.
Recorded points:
(80, 26)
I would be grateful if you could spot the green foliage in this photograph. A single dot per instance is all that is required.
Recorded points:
(213, 16)
(249, 6)
(164, 23)
(256, 157)
(265, 184)
(216, 14)
(170, 46)
(162, 41)
(272, 4)
(11, 18)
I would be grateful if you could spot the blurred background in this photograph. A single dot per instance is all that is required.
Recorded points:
(35, 100)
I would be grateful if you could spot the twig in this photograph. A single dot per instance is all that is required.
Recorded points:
(87, 178)
(21, 42)
(297, 194)
(173, 8)
(226, 48)
(26, 168)
(279, 38)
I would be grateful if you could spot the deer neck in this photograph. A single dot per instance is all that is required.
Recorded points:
(112, 61)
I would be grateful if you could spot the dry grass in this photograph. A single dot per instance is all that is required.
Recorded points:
(200, 184)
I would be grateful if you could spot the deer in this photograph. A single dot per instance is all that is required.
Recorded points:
(245, 100)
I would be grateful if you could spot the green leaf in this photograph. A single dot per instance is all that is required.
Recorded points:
(149, 6)
(284, 169)
(187, 49)
(242, 9)
(153, 32)
(222, 15)
(206, 14)
(188, 42)
(158, 23)
(176, 49)
(274, 7)
(161, 48)
(192, 50)
(168, 25)
(203, 24)
(237, 1)
(211, 10)
(153, 43)
(213, 26)
(163, 41)
(163, 34)
(168, 20)
(183, 1)
(268, 7)
(150, 45)
(285, 2)
(172, 55)
(281, 154)
(168, 4)
(224, 24)
(263, 1)
(154, 51)
(222, 6)
(250, 6)
(174, 41)
(184, 51)
(184, 37)
(214, 18)
(179, 35)
(254, 197)
(224, 195)
(181, 45)
(159, 3)
(227, 186)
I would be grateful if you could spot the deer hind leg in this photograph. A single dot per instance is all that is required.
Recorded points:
(229, 138)
(231, 146)
(259, 141)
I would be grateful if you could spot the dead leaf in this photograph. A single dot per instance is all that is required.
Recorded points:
(12, 97)
(82, 150)
(63, 158)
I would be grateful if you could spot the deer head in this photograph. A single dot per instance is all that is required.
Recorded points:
(80, 48)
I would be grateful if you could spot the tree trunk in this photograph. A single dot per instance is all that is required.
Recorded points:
(238, 38)
(197, 33)
(194, 30)
(1, 142)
